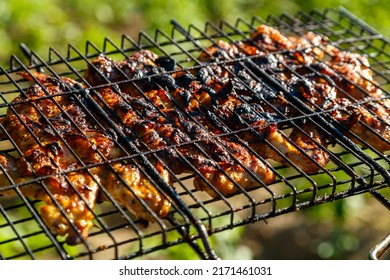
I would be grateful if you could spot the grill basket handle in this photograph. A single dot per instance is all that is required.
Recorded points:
(380, 248)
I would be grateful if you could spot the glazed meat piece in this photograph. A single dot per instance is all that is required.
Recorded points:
(268, 43)
(58, 141)
(237, 172)
(350, 71)
(369, 121)
(271, 39)
(267, 40)
(130, 186)
(373, 129)
(353, 74)
(46, 154)
(223, 51)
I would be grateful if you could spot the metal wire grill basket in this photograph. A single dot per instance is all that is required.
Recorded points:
(354, 167)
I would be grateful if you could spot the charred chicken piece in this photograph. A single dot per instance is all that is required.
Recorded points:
(223, 164)
(353, 74)
(305, 48)
(350, 71)
(223, 51)
(303, 151)
(230, 111)
(350, 81)
(58, 141)
(228, 176)
(373, 129)
(342, 74)
(130, 186)
(369, 121)
(262, 133)
(145, 67)
(46, 154)
(267, 40)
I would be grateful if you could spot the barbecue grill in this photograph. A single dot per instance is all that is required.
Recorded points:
(354, 167)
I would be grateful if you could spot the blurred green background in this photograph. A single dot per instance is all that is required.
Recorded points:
(44, 23)
(325, 232)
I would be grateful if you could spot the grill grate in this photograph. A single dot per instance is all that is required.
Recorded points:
(194, 215)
